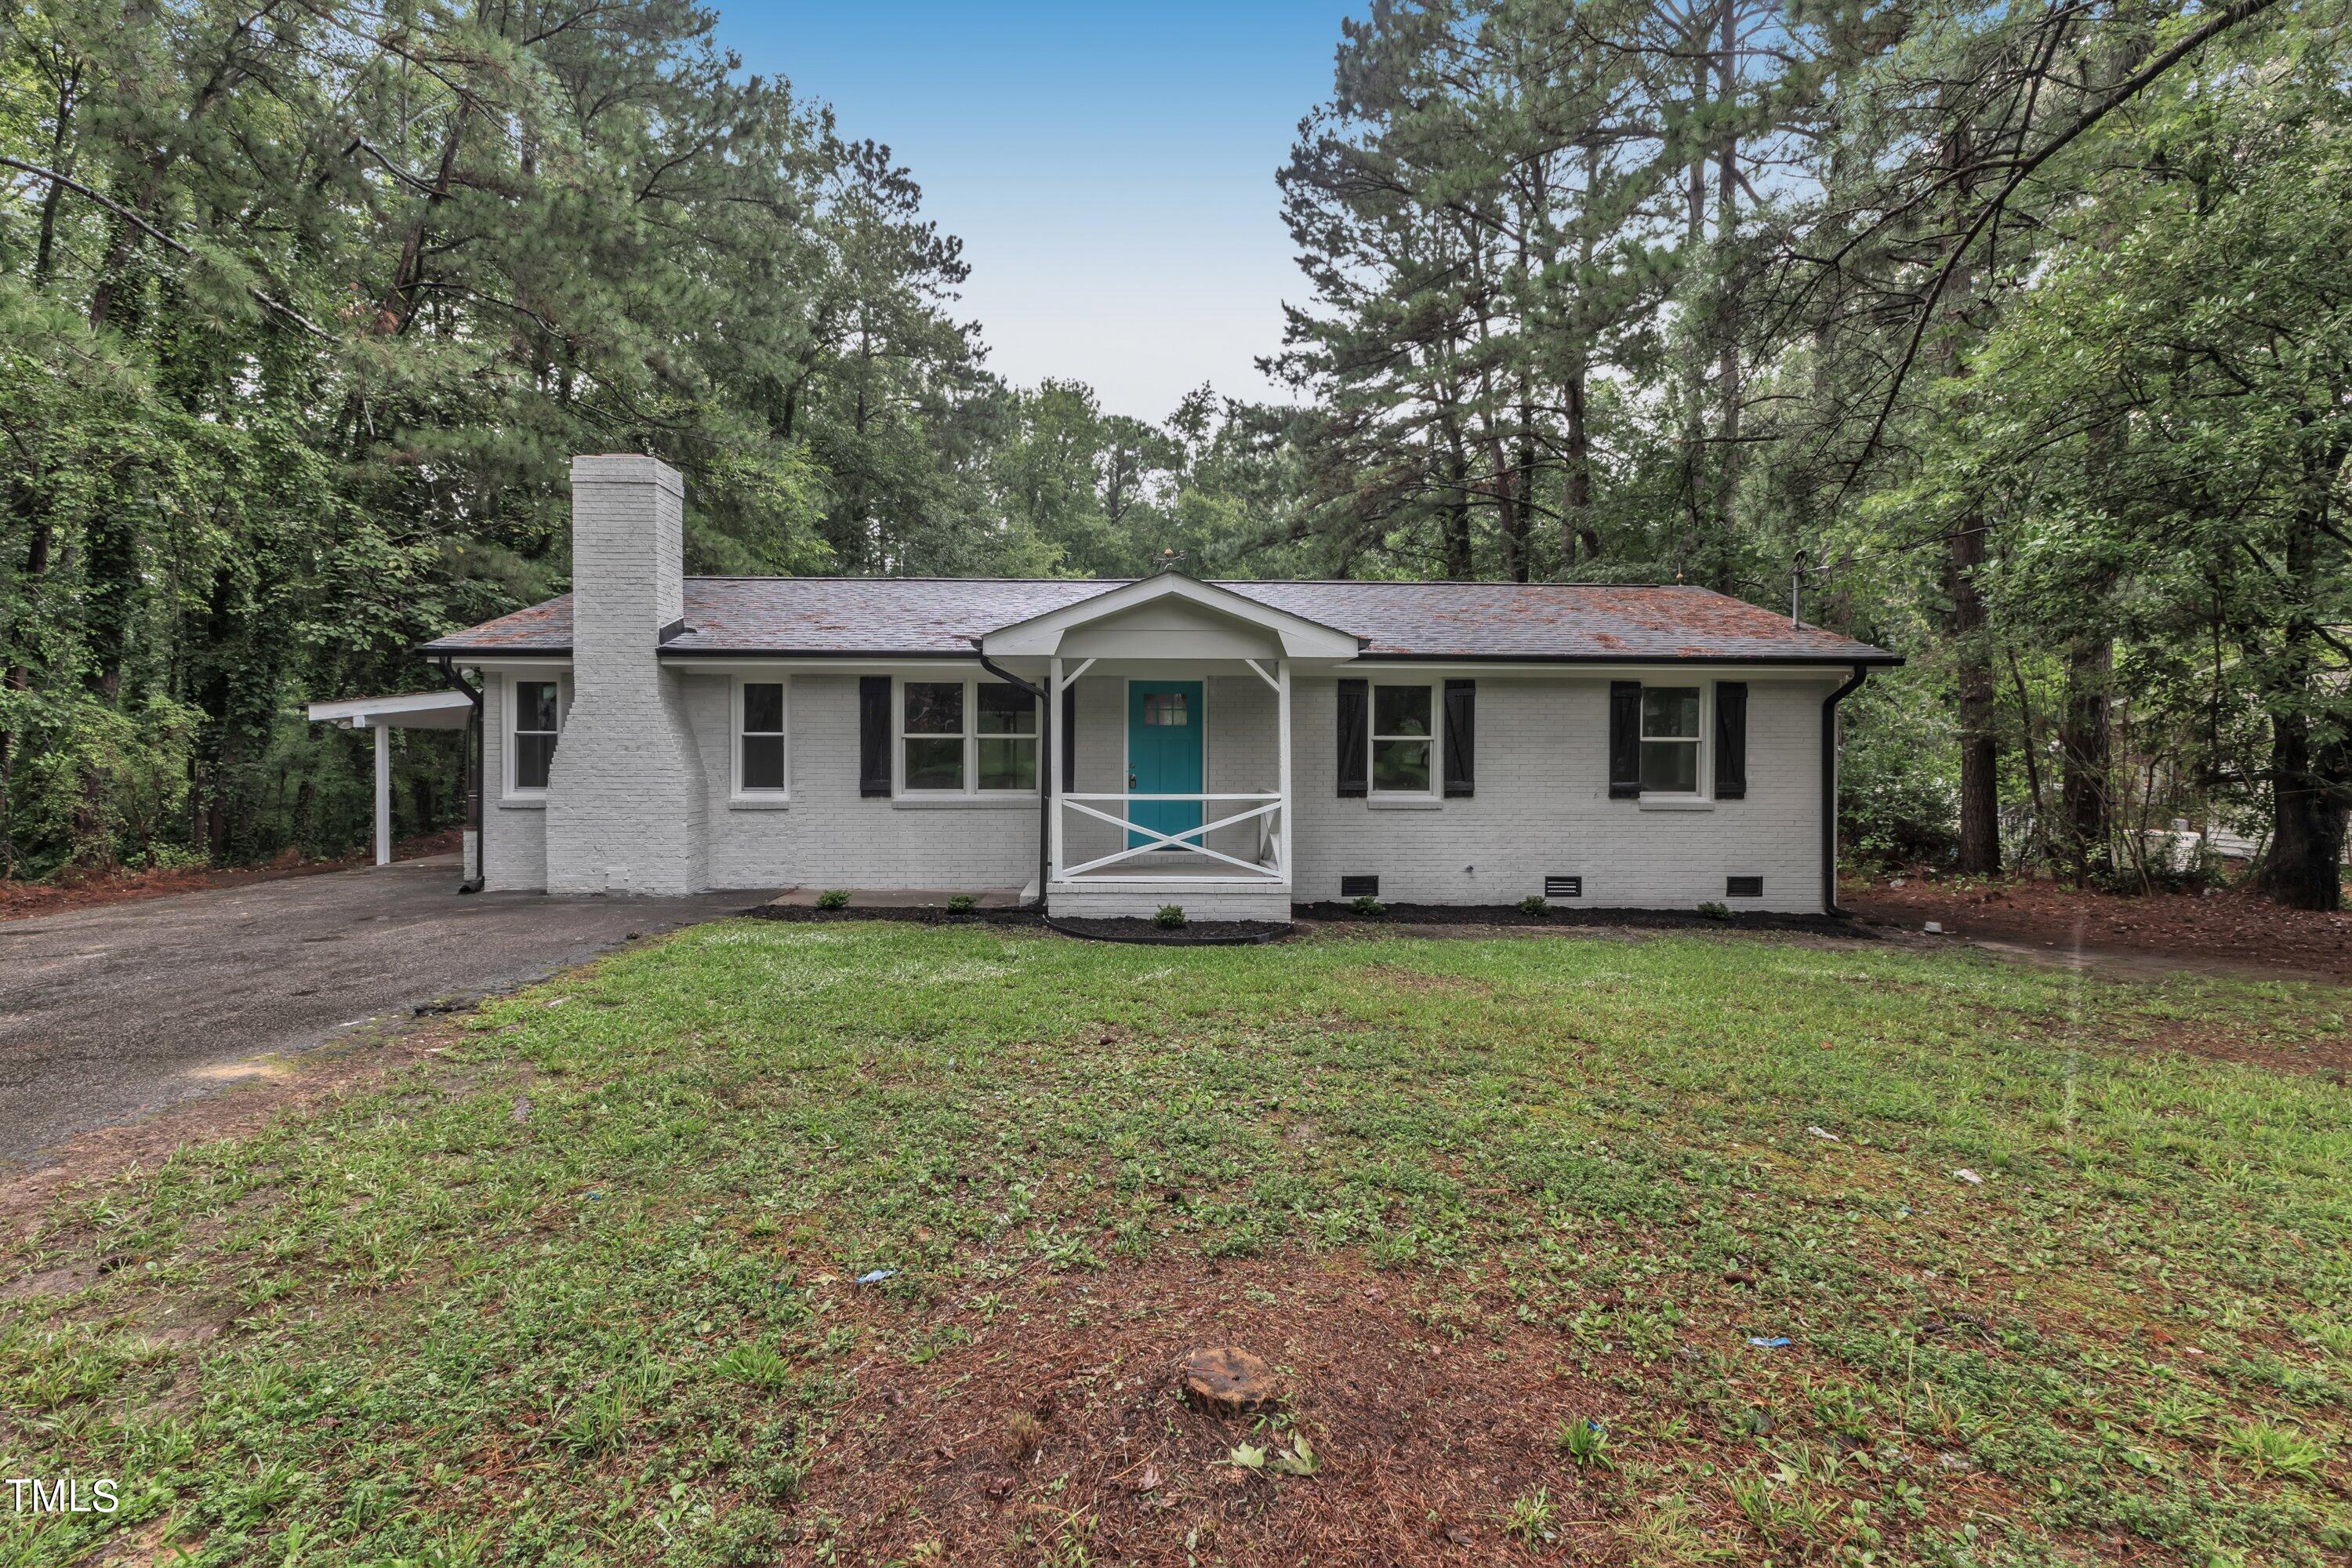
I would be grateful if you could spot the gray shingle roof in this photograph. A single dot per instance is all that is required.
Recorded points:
(892, 617)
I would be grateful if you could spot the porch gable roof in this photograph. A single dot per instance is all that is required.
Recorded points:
(1299, 635)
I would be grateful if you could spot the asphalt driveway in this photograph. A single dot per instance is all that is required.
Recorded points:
(112, 1012)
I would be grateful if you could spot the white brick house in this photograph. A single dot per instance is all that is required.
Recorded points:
(1233, 747)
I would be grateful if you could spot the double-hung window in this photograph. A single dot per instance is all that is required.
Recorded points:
(966, 737)
(537, 715)
(1670, 740)
(761, 770)
(1404, 740)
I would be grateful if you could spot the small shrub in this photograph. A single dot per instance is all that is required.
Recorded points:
(1715, 912)
(1169, 917)
(1535, 904)
(962, 904)
(1368, 906)
(832, 899)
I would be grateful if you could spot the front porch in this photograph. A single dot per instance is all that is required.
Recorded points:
(1170, 778)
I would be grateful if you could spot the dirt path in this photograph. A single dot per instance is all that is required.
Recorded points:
(22, 901)
(2230, 934)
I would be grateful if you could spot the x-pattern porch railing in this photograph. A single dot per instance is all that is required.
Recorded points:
(1265, 809)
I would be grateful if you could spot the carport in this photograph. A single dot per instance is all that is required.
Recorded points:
(410, 710)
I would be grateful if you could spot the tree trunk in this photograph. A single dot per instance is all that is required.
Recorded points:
(1579, 537)
(1980, 756)
(2312, 788)
(1459, 565)
(2311, 779)
(1728, 389)
(2085, 752)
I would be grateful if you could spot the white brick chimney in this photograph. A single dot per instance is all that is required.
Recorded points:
(625, 797)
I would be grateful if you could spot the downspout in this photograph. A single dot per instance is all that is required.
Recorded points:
(1045, 764)
(1829, 787)
(473, 775)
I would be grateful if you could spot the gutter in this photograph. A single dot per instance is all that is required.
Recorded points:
(473, 772)
(1829, 787)
(1045, 755)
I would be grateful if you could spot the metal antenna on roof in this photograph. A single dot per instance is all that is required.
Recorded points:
(1171, 558)
(1796, 584)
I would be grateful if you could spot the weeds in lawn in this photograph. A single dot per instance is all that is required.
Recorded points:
(2269, 1450)
(1528, 1516)
(1585, 1443)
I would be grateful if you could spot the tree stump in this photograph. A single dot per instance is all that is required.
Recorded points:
(1227, 1380)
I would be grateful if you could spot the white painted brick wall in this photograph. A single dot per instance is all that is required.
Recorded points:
(830, 836)
(1542, 807)
(625, 799)
(514, 837)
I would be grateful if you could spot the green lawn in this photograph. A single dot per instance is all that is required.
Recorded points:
(1505, 1214)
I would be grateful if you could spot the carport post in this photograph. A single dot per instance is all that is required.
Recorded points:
(383, 728)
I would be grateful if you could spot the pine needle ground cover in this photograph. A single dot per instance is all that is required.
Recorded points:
(871, 1243)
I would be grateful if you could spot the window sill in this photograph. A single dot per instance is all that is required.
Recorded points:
(522, 803)
(945, 802)
(1405, 803)
(759, 803)
(1677, 803)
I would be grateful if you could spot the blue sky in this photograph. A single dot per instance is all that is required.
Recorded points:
(1109, 167)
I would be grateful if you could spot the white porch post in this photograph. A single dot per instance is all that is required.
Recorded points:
(383, 728)
(1282, 723)
(1061, 750)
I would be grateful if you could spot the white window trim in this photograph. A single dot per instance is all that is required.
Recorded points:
(1703, 744)
(738, 795)
(1436, 737)
(972, 739)
(509, 789)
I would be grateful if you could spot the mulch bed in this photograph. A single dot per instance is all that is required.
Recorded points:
(911, 914)
(22, 900)
(1193, 934)
(2232, 930)
(1512, 915)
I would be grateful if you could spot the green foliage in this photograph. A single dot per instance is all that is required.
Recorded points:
(962, 904)
(832, 899)
(1535, 904)
(1367, 906)
(1714, 911)
(1169, 917)
(292, 371)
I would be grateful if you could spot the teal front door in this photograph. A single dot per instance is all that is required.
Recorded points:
(1163, 755)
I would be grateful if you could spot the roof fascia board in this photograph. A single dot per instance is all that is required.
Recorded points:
(397, 702)
(1809, 664)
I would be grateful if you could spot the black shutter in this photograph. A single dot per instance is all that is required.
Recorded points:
(1732, 740)
(1624, 739)
(1461, 737)
(874, 735)
(1355, 758)
(1070, 736)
